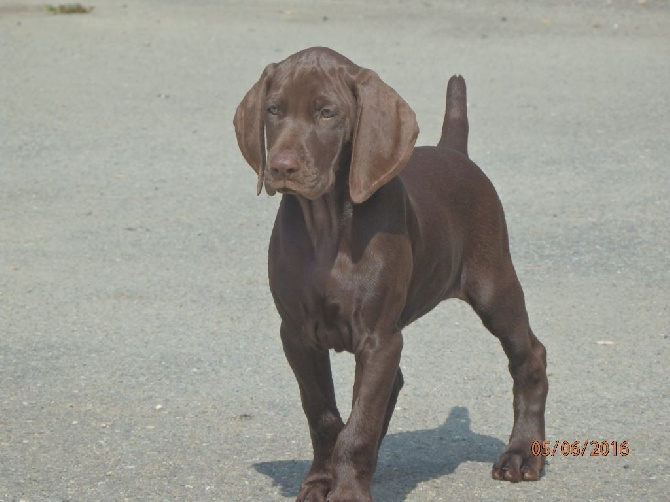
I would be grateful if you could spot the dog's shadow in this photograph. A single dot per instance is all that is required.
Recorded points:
(406, 459)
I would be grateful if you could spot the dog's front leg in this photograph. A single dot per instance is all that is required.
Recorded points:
(315, 380)
(355, 455)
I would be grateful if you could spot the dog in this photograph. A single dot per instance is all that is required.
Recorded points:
(371, 234)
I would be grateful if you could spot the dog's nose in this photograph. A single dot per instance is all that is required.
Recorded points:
(284, 164)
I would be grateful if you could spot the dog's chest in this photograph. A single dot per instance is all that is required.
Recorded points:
(316, 298)
(330, 305)
(325, 326)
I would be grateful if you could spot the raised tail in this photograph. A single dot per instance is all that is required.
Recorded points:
(455, 127)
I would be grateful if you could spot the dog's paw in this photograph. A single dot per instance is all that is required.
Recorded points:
(349, 497)
(314, 491)
(518, 464)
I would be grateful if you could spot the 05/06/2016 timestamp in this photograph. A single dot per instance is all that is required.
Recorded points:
(580, 448)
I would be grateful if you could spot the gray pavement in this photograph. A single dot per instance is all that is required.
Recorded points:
(139, 349)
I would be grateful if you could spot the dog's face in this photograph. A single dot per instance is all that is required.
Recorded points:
(317, 113)
(309, 114)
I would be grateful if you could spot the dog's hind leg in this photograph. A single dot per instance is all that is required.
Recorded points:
(499, 302)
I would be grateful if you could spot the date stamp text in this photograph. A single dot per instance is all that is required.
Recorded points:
(580, 448)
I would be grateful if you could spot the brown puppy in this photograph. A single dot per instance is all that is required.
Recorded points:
(371, 234)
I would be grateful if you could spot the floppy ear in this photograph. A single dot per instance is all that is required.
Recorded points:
(384, 136)
(249, 124)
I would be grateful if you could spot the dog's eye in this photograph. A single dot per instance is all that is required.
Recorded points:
(327, 113)
(273, 110)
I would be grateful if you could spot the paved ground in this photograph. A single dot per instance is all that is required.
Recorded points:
(139, 353)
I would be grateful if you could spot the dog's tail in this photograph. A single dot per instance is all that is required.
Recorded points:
(455, 127)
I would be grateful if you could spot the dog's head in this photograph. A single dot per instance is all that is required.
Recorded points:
(316, 113)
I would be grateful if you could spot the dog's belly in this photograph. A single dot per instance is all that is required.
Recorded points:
(424, 296)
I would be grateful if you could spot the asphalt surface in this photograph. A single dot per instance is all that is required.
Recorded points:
(139, 349)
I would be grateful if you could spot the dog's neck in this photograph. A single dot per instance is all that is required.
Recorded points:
(326, 218)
